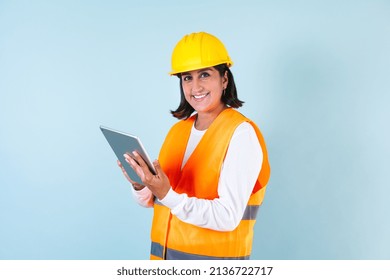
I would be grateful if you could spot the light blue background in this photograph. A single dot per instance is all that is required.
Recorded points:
(315, 78)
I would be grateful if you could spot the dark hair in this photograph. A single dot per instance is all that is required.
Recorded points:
(230, 97)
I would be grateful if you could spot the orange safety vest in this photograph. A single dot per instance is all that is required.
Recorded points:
(175, 239)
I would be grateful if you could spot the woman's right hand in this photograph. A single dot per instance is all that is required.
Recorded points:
(136, 185)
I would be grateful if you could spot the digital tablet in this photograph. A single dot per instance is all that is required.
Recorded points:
(122, 143)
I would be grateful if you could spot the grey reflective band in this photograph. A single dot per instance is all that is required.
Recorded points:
(177, 255)
(250, 212)
(157, 250)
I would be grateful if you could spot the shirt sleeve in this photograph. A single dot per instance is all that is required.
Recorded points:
(239, 173)
(143, 197)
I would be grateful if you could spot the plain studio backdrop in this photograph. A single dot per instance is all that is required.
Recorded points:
(314, 76)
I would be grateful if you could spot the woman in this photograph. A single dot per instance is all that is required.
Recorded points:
(213, 165)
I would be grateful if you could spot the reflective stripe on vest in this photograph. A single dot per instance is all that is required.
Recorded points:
(250, 212)
(157, 251)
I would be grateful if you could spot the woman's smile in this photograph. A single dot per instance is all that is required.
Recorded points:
(200, 97)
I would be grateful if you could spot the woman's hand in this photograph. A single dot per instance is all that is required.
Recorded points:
(159, 184)
(136, 186)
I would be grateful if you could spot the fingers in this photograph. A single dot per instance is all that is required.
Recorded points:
(139, 159)
(137, 165)
(164, 184)
(157, 167)
(135, 184)
(159, 184)
(141, 163)
(124, 171)
(140, 167)
(160, 173)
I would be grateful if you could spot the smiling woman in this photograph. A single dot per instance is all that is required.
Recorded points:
(227, 95)
(213, 166)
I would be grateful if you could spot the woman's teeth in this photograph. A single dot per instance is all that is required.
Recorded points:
(199, 96)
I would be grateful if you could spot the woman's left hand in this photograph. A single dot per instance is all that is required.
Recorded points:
(158, 184)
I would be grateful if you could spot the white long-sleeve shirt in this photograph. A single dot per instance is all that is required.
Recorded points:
(239, 173)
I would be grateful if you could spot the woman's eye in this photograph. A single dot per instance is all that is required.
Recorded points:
(204, 75)
(186, 78)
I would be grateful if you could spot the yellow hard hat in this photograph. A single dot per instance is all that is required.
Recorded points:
(198, 50)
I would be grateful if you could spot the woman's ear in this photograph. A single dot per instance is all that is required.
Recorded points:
(225, 80)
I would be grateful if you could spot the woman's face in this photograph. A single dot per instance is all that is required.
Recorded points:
(203, 89)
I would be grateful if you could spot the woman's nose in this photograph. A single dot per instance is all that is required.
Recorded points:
(196, 86)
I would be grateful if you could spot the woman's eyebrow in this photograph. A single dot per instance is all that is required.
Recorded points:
(205, 69)
(199, 71)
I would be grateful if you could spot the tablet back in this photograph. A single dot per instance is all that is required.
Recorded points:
(122, 143)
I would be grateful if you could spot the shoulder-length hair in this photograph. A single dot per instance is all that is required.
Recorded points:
(229, 98)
